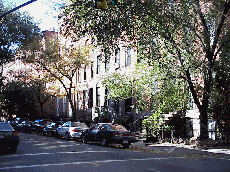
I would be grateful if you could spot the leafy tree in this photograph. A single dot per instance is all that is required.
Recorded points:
(185, 37)
(17, 99)
(155, 123)
(16, 29)
(220, 104)
(59, 61)
(152, 92)
(41, 94)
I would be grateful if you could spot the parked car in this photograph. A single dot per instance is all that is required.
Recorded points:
(8, 137)
(38, 125)
(13, 123)
(107, 133)
(26, 126)
(71, 130)
(18, 127)
(50, 130)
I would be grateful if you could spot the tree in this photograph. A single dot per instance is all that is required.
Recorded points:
(17, 99)
(185, 37)
(151, 92)
(16, 29)
(59, 61)
(42, 94)
(220, 104)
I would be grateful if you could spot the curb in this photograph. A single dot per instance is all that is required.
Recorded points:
(181, 149)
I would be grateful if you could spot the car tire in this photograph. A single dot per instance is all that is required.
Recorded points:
(13, 149)
(67, 136)
(56, 135)
(104, 142)
(125, 145)
(83, 139)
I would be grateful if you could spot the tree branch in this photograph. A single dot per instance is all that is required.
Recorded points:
(223, 17)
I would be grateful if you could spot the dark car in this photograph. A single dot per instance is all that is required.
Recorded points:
(38, 125)
(50, 130)
(107, 133)
(18, 127)
(8, 137)
(25, 126)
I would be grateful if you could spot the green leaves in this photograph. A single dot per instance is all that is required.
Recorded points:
(16, 30)
(155, 123)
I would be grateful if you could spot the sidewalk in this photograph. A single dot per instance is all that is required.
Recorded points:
(182, 149)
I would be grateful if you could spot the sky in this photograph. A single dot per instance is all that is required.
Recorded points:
(41, 12)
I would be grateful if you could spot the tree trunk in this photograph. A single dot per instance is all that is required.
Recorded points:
(203, 122)
(72, 105)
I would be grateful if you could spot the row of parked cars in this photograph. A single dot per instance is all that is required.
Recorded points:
(104, 133)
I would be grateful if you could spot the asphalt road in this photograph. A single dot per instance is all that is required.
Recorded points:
(47, 154)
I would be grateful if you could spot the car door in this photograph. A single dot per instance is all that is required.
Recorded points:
(91, 134)
(104, 132)
(61, 129)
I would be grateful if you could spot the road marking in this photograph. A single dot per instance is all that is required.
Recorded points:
(52, 153)
(87, 162)
(225, 151)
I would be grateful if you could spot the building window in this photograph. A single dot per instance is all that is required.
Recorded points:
(84, 99)
(128, 57)
(78, 101)
(106, 61)
(64, 104)
(85, 73)
(128, 104)
(98, 63)
(98, 96)
(106, 101)
(117, 58)
(90, 98)
(92, 70)
(79, 75)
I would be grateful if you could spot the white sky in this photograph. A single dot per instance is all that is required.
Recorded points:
(41, 12)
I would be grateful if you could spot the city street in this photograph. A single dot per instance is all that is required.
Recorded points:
(40, 153)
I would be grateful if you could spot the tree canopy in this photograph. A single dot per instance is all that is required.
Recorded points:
(16, 29)
(185, 37)
(59, 61)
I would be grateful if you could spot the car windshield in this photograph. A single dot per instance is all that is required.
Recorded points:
(5, 127)
(27, 122)
(78, 124)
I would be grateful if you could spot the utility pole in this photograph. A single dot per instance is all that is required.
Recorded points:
(16, 8)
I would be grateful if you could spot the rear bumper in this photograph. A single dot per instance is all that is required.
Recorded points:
(125, 140)
(9, 143)
(76, 135)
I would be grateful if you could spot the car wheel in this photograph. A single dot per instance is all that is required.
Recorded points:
(83, 139)
(125, 145)
(104, 142)
(13, 149)
(67, 136)
(56, 135)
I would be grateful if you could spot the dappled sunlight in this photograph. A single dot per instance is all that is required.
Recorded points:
(50, 147)
(32, 141)
(42, 144)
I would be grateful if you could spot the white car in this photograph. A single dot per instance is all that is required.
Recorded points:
(71, 130)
